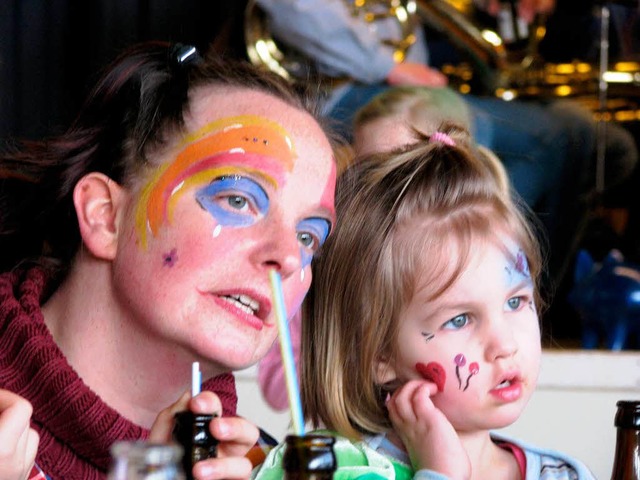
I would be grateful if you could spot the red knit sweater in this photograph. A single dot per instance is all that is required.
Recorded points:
(76, 427)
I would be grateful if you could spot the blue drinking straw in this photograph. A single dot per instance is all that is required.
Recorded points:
(286, 351)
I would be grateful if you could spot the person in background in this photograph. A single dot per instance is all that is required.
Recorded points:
(140, 241)
(548, 148)
(420, 333)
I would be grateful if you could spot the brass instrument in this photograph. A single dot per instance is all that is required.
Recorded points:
(490, 68)
(262, 49)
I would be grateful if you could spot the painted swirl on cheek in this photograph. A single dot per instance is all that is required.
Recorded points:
(434, 372)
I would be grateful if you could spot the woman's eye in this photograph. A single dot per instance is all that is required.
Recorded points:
(514, 303)
(234, 200)
(306, 239)
(237, 202)
(457, 322)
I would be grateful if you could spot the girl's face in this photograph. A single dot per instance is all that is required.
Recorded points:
(249, 188)
(479, 341)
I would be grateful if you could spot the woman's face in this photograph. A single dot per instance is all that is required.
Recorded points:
(479, 341)
(248, 189)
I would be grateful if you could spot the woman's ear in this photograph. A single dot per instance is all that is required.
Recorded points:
(385, 372)
(99, 204)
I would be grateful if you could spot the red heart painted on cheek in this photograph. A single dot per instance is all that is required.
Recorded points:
(434, 372)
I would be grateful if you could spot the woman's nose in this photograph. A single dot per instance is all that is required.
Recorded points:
(279, 249)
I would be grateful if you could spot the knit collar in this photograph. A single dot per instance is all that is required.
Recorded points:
(76, 427)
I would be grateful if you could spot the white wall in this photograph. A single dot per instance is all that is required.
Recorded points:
(572, 411)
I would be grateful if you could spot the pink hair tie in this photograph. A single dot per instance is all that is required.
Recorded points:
(442, 138)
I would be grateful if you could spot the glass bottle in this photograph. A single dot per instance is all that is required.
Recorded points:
(191, 431)
(138, 460)
(309, 457)
(626, 462)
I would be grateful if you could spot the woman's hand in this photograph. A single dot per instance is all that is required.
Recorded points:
(430, 439)
(236, 436)
(18, 441)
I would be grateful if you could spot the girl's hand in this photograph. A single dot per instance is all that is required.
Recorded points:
(18, 441)
(430, 440)
(236, 436)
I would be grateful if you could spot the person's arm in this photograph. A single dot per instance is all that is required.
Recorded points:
(18, 441)
(236, 436)
(325, 31)
(271, 377)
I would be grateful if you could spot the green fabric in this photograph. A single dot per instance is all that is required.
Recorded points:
(355, 461)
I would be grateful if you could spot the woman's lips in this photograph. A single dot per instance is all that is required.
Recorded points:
(247, 318)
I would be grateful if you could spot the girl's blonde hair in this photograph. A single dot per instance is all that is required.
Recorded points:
(447, 198)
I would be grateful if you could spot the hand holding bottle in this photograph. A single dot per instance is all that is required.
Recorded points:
(236, 436)
(18, 441)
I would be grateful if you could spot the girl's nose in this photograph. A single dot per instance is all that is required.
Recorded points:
(501, 342)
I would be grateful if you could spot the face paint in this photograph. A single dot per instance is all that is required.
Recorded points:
(434, 372)
(520, 268)
(427, 336)
(460, 361)
(249, 145)
(474, 368)
(312, 230)
(169, 259)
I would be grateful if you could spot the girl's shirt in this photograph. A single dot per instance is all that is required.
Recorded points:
(377, 458)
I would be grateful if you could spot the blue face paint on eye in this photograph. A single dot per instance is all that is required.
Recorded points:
(234, 201)
(312, 233)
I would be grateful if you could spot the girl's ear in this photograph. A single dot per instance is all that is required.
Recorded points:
(99, 203)
(385, 372)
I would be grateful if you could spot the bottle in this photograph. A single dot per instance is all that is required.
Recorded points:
(626, 462)
(138, 460)
(309, 457)
(191, 431)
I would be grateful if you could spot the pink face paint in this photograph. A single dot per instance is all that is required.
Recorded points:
(474, 368)
(328, 196)
(433, 372)
(460, 361)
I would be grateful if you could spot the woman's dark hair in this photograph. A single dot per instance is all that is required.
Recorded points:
(140, 101)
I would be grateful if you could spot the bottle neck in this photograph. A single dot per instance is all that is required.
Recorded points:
(626, 463)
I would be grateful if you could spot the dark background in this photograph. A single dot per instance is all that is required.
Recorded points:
(51, 51)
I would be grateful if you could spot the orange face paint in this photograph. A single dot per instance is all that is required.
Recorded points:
(242, 144)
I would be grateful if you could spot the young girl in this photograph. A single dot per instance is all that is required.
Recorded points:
(140, 241)
(421, 332)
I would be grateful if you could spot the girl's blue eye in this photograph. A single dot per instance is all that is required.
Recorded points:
(457, 322)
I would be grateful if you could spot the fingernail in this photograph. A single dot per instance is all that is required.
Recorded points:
(387, 398)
